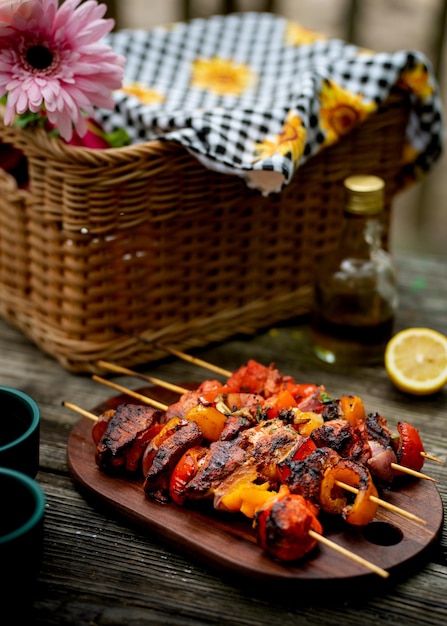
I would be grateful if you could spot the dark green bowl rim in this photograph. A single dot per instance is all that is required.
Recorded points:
(39, 499)
(30, 405)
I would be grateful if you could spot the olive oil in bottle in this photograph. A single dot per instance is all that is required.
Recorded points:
(355, 293)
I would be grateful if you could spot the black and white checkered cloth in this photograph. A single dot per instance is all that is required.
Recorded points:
(221, 129)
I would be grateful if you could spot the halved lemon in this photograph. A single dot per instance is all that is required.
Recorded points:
(416, 360)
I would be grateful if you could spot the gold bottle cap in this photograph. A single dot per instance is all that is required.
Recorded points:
(364, 194)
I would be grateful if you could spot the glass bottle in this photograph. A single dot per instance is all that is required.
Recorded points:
(355, 291)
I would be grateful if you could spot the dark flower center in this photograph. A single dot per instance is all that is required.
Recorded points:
(39, 57)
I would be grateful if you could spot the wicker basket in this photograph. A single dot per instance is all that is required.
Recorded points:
(146, 240)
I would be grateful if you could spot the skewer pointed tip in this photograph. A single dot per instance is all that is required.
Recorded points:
(430, 457)
(81, 411)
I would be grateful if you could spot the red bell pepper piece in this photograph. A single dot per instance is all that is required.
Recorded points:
(184, 471)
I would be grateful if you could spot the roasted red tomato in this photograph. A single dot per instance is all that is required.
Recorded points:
(255, 378)
(100, 426)
(409, 447)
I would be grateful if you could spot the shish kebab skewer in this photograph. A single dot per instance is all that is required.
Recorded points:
(312, 533)
(205, 365)
(383, 503)
(156, 404)
(163, 407)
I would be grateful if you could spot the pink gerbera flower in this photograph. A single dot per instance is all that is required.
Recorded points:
(51, 60)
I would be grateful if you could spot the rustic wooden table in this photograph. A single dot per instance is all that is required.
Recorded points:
(99, 569)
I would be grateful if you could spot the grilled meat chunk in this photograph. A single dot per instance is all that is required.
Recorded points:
(234, 425)
(340, 435)
(377, 429)
(268, 443)
(222, 459)
(304, 477)
(180, 408)
(165, 456)
(260, 446)
(128, 432)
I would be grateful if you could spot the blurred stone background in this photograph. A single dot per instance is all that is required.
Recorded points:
(420, 213)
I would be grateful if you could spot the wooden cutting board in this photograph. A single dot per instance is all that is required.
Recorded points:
(227, 541)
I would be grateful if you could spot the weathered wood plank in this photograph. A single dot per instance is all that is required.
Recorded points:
(98, 569)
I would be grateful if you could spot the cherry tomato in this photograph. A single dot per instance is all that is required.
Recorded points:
(409, 447)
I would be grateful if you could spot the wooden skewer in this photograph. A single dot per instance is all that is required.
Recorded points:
(411, 472)
(351, 555)
(382, 503)
(219, 370)
(155, 381)
(179, 354)
(432, 458)
(129, 392)
(194, 360)
(83, 412)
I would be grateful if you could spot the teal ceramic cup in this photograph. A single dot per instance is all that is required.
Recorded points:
(19, 431)
(21, 543)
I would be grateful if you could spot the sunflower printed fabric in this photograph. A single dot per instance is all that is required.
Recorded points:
(257, 95)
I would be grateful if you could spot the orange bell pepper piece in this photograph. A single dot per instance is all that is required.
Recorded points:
(209, 419)
(282, 401)
(246, 499)
(241, 494)
(334, 499)
(353, 409)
